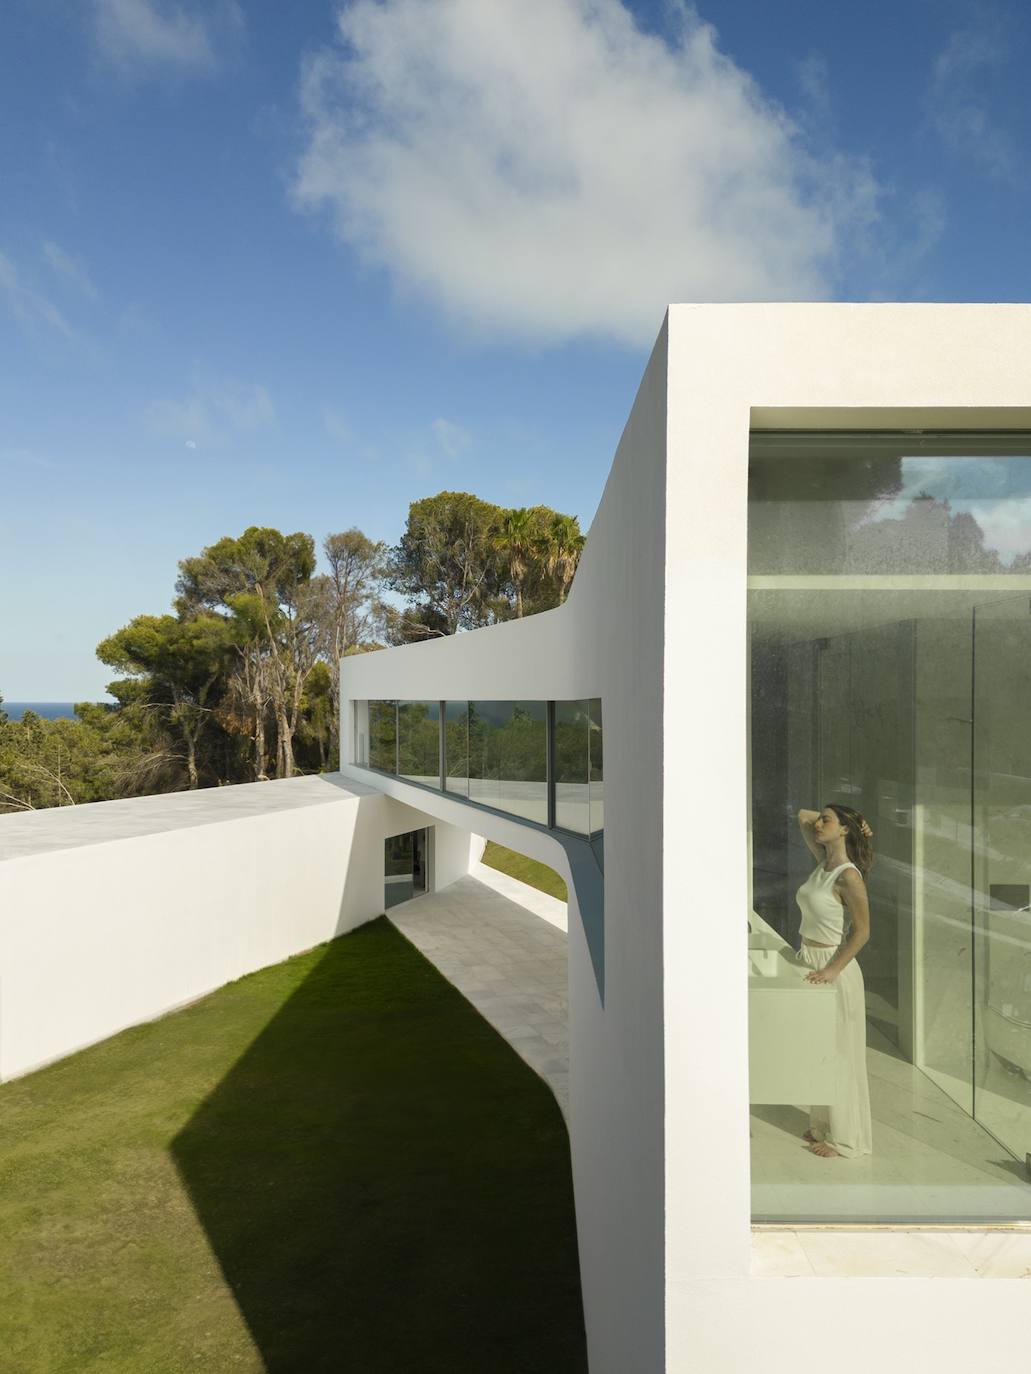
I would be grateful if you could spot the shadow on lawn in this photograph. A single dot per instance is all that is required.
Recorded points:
(385, 1183)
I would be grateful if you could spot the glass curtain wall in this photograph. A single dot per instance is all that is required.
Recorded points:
(508, 757)
(579, 801)
(495, 753)
(418, 741)
(383, 736)
(573, 766)
(456, 747)
(890, 660)
(596, 770)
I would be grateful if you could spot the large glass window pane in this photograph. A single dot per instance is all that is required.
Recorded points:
(418, 741)
(456, 747)
(572, 766)
(383, 735)
(890, 648)
(508, 757)
(1001, 933)
(597, 785)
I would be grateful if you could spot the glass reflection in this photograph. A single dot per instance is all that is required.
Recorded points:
(573, 766)
(1002, 873)
(383, 736)
(508, 757)
(889, 504)
(456, 747)
(495, 753)
(890, 648)
(418, 741)
(597, 786)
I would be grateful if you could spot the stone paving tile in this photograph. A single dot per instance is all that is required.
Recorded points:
(503, 945)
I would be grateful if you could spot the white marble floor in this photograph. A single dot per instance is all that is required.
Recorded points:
(891, 1254)
(931, 1161)
(503, 945)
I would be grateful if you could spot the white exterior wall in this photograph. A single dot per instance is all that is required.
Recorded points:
(656, 627)
(116, 912)
(781, 366)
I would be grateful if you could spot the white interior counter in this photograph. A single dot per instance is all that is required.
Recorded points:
(792, 1025)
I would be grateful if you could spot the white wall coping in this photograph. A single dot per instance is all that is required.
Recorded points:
(25, 834)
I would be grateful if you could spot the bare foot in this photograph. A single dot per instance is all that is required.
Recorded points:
(825, 1151)
(808, 1135)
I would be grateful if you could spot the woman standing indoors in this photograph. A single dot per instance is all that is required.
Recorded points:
(835, 927)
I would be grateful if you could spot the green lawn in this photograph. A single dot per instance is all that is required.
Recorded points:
(538, 875)
(332, 1165)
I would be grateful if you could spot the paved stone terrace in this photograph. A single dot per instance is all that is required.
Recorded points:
(503, 945)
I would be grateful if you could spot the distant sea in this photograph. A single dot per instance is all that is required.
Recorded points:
(49, 710)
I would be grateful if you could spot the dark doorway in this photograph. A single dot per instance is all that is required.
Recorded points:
(405, 866)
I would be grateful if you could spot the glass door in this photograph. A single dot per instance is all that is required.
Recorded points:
(405, 867)
(1001, 871)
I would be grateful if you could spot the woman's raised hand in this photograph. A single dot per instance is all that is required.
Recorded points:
(865, 828)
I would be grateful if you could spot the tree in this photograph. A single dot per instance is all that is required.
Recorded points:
(517, 538)
(446, 565)
(563, 546)
(347, 606)
(263, 580)
(181, 663)
(47, 763)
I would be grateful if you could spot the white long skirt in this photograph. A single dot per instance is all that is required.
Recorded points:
(846, 1125)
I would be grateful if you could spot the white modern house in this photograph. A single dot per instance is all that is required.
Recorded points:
(808, 580)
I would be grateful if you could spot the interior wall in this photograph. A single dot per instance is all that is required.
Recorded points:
(942, 839)
(1002, 828)
(832, 721)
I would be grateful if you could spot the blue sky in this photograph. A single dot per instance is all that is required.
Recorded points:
(299, 265)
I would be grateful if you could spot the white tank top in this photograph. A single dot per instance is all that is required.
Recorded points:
(823, 916)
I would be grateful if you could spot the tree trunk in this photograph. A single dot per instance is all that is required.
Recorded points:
(191, 758)
(260, 750)
(286, 744)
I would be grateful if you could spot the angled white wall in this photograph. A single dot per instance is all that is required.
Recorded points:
(656, 626)
(116, 912)
(606, 642)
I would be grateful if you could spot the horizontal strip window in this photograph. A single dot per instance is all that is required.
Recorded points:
(539, 761)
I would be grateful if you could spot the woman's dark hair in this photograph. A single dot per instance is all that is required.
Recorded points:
(857, 846)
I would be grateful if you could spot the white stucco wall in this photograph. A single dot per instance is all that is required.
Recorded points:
(787, 366)
(656, 626)
(116, 912)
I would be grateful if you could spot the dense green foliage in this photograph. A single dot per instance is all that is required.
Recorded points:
(334, 1163)
(241, 683)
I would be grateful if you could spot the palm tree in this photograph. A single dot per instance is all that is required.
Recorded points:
(518, 541)
(564, 546)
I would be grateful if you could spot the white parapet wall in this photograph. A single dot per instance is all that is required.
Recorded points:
(114, 913)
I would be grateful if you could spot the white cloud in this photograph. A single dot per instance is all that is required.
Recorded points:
(131, 33)
(71, 268)
(544, 167)
(959, 95)
(210, 414)
(452, 439)
(27, 305)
